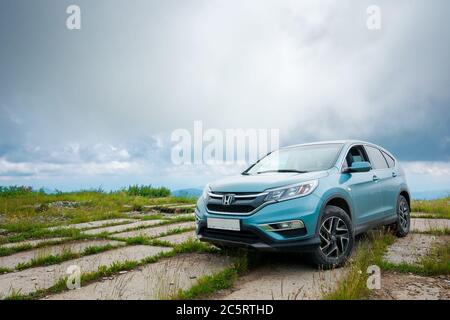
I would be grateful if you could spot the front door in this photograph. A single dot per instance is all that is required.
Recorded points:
(363, 187)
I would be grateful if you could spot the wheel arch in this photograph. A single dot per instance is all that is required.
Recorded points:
(338, 200)
(406, 194)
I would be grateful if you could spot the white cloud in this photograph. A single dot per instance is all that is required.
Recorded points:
(437, 169)
(39, 170)
(309, 68)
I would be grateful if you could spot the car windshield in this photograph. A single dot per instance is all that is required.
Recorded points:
(299, 159)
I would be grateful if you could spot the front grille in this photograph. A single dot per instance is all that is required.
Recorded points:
(230, 208)
(244, 202)
(240, 236)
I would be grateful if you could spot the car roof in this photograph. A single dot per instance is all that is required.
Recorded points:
(327, 142)
(344, 142)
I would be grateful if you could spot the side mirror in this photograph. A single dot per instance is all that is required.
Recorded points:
(360, 166)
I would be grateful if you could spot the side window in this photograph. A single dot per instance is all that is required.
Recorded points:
(376, 158)
(355, 154)
(389, 159)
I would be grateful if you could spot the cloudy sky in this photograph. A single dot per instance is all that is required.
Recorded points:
(96, 106)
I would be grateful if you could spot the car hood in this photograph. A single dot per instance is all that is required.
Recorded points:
(261, 182)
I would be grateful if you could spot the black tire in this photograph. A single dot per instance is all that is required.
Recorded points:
(336, 244)
(401, 227)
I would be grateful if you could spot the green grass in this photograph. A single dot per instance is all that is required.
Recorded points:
(4, 251)
(437, 208)
(5, 270)
(147, 191)
(369, 252)
(26, 211)
(209, 284)
(47, 260)
(97, 249)
(14, 191)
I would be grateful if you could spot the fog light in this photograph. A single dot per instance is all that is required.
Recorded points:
(283, 226)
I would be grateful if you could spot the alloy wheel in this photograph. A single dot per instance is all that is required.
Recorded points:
(403, 214)
(334, 237)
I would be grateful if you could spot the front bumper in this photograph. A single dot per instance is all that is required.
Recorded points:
(253, 236)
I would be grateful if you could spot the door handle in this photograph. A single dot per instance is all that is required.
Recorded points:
(394, 174)
(375, 178)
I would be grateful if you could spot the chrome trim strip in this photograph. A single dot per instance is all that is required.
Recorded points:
(241, 213)
(253, 195)
(363, 144)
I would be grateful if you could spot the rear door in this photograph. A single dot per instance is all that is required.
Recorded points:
(391, 192)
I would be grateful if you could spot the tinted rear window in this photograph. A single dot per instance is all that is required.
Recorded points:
(389, 159)
(376, 158)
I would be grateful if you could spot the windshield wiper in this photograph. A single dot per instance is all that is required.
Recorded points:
(283, 170)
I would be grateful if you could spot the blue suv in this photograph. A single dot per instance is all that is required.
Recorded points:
(311, 198)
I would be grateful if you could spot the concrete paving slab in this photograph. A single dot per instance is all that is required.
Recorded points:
(413, 248)
(159, 280)
(123, 227)
(287, 281)
(32, 243)
(424, 225)
(93, 224)
(30, 280)
(154, 231)
(179, 237)
(400, 286)
(13, 260)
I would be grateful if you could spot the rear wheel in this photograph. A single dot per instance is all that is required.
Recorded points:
(401, 227)
(336, 239)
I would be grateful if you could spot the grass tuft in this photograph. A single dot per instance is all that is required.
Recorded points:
(369, 252)
(210, 284)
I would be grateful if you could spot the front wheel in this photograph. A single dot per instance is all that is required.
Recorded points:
(336, 238)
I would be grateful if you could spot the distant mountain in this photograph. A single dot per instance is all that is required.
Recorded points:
(430, 195)
(190, 192)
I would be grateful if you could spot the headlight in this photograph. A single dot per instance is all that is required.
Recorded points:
(294, 191)
(205, 192)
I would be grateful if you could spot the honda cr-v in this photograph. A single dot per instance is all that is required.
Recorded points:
(312, 198)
